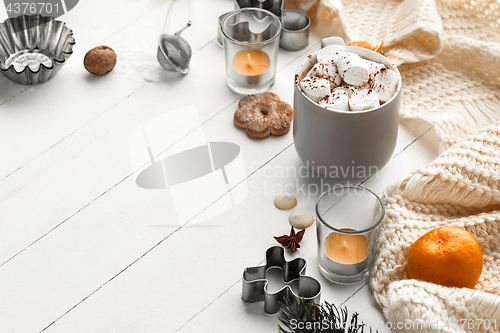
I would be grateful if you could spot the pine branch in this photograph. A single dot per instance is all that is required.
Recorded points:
(306, 317)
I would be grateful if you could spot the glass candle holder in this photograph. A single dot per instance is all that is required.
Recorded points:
(348, 225)
(251, 38)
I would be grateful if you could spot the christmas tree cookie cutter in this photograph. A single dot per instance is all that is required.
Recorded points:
(296, 284)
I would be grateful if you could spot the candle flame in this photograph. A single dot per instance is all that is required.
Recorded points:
(249, 58)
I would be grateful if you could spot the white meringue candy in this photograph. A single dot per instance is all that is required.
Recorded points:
(330, 53)
(301, 219)
(326, 71)
(315, 88)
(285, 201)
(385, 84)
(353, 69)
(373, 67)
(364, 100)
(336, 100)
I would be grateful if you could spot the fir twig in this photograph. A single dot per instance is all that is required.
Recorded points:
(306, 317)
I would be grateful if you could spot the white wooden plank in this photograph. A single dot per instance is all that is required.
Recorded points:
(92, 22)
(43, 115)
(249, 317)
(173, 282)
(369, 312)
(190, 269)
(179, 280)
(78, 156)
(54, 173)
(418, 154)
(89, 146)
(137, 62)
(84, 231)
(70, 254)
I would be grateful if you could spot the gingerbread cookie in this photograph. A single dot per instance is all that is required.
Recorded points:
(263, 115)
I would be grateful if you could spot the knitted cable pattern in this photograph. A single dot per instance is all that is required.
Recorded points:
(460, 188)
(448, 53)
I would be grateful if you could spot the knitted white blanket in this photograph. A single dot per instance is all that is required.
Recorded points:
(448, 52)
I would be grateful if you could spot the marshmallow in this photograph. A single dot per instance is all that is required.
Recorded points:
(352, 89)
(336, 100)
(373, 67)
(326, 71)
(364, 100)
(353, 69)
(329, 54)
(348, 89)
(385, 84)
(315, 88)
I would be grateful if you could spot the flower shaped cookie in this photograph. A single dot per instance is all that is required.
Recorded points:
(263, 115)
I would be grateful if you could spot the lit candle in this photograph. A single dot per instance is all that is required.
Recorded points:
(251, 39)
(345, 248)
(251, 62)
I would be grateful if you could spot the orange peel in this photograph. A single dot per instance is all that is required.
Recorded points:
(366, 45)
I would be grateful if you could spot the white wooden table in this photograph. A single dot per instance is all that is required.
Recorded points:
(84, 249)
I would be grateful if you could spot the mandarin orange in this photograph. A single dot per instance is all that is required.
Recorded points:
(366, 45)
(361, 43)
(447, 256)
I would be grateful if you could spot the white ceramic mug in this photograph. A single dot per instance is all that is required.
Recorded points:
(344, 145)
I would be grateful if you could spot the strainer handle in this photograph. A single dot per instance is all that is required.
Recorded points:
(189, 20)
(169, 14)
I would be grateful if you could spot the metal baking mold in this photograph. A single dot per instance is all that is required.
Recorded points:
(255, 282)
(241, 31)
(33, 48)
(294, 30)
(295, 24)
(274, 6)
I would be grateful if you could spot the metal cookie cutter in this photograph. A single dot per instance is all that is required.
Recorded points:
(241, 30)
(294, 30)
(295, 24)
(297, 285)
(274, 6)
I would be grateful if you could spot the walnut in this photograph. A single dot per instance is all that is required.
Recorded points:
(100, 60)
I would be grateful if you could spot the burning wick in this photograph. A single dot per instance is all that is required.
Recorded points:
(345, 248)
(251, 62)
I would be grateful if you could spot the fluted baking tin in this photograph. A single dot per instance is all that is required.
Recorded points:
(34, 48)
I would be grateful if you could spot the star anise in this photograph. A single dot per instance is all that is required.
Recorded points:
(291, 242)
